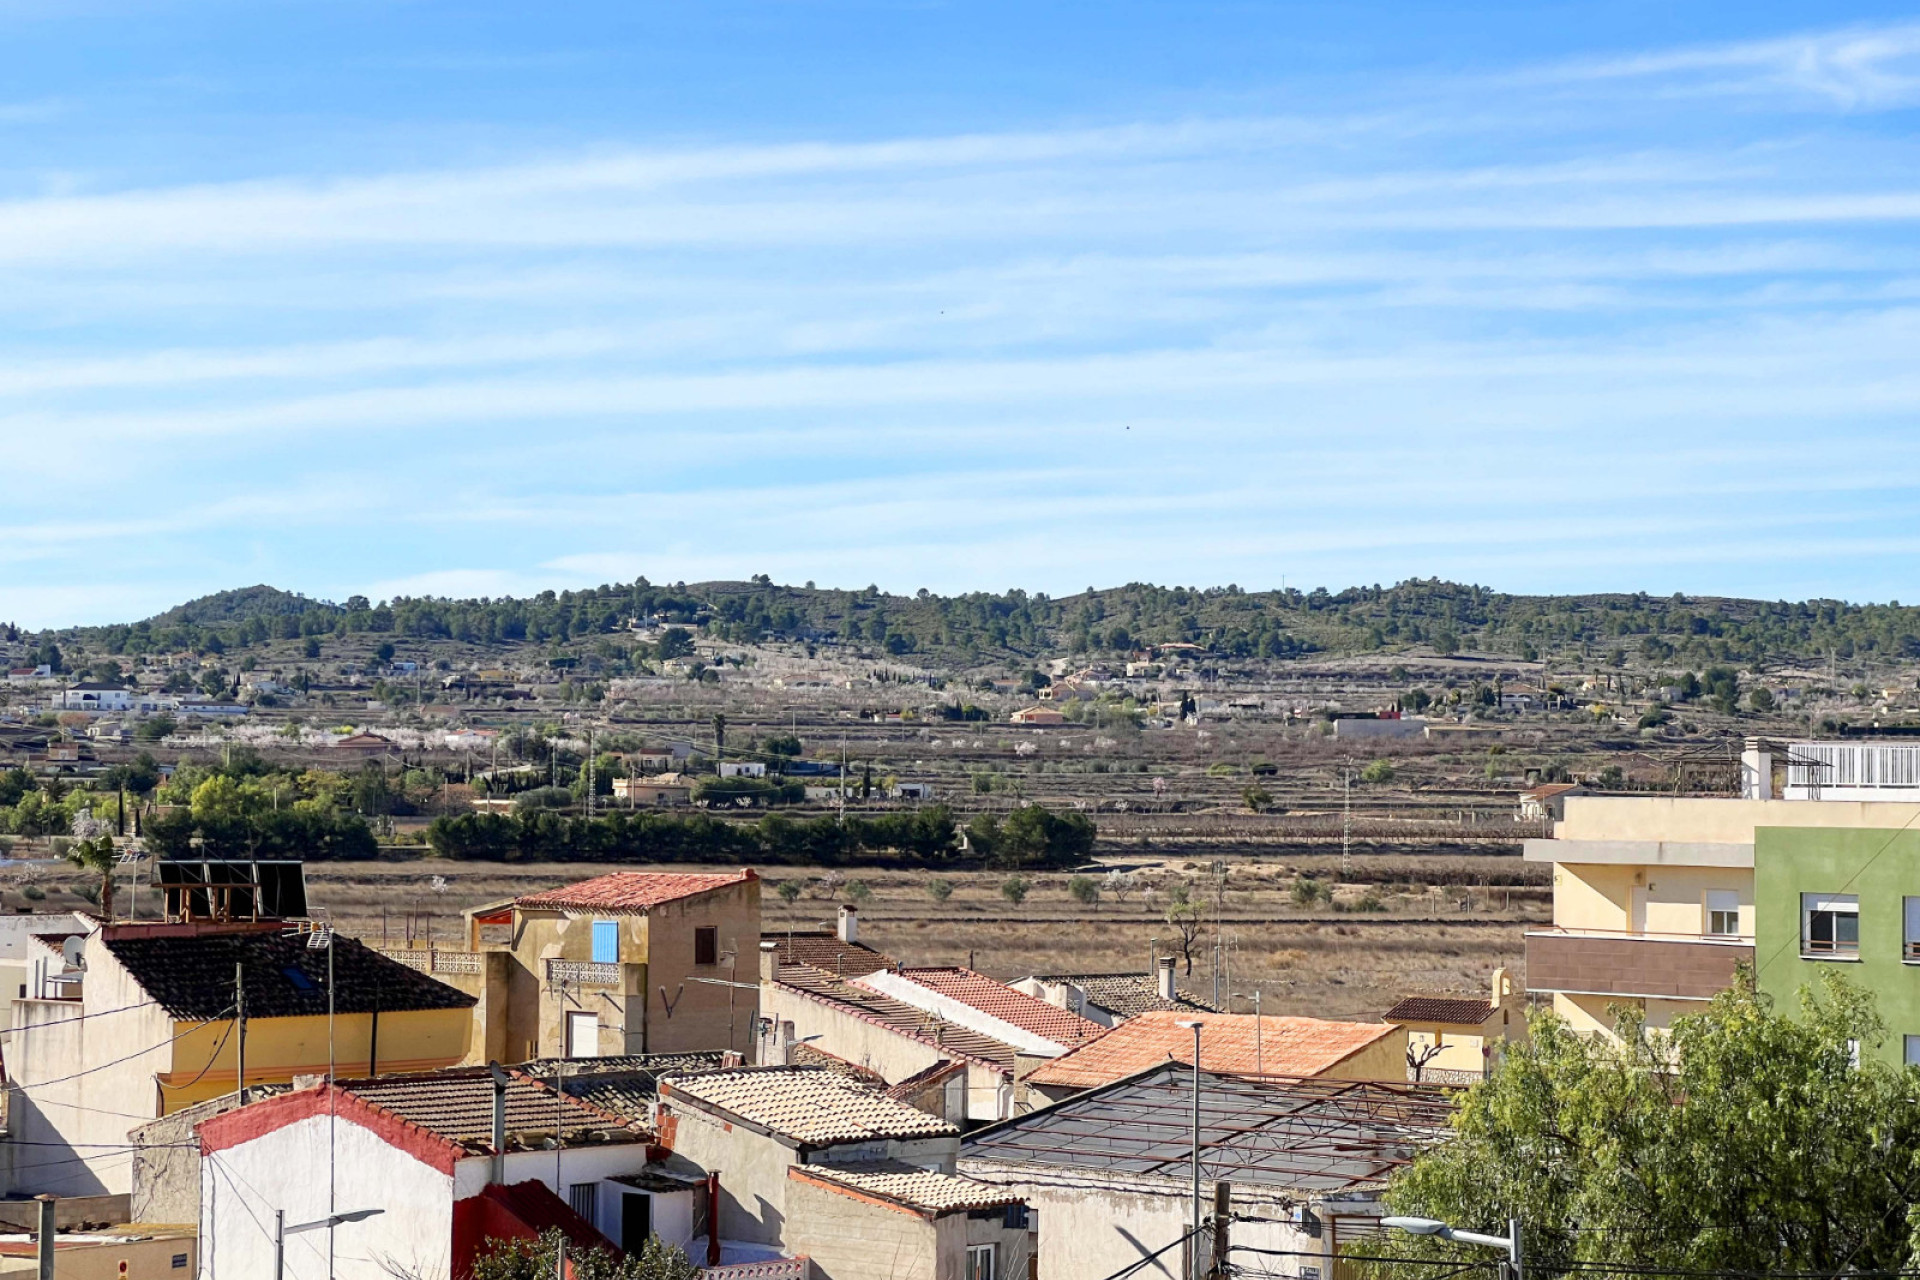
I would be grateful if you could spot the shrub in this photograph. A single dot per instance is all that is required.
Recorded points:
(939, 890)
(1085, 890)
(1014, 889)
(858, 891)
(788, 891)
(1307, 891)
(1378, 771)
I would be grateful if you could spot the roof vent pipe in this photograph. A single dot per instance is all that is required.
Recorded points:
(497, 1172)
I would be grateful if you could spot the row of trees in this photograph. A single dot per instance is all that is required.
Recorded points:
(1230, 621)
(1030, 836)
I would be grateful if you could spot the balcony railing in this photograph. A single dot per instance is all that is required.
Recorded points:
(1618, 963)
(1837, 948)
(582, 973)
(435, 960)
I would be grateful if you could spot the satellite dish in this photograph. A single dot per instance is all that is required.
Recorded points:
(73, 951)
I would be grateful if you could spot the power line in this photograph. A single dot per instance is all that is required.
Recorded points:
(41, 1084)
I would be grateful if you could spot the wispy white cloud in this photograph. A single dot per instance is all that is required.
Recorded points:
(1857, 68)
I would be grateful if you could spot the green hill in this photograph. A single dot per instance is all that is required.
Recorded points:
(1017, 627)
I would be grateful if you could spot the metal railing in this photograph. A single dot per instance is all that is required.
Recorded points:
(1644, 935)
(582, 973)
(1832, 947)
(435, 960)
(772, 1269)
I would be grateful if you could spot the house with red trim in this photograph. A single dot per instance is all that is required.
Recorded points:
(450, 1159)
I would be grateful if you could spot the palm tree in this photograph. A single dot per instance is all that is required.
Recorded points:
(97, 855)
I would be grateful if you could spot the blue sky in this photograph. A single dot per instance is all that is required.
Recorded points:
(398, 298)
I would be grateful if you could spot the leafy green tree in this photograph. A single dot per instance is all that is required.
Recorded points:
(539, 1260)
(385, 651)
(858, 891)
(1761, 699)
(311, 648)
(1741, 1140)
(939, 889)
(1084, 890)
(788, 890)
(1377, 771)
(1014, 889)
(1257, 798)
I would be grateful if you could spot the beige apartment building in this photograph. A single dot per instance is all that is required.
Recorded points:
(1654, 897)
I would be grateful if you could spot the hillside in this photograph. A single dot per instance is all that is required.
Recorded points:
(240, 605)
(1016, 628)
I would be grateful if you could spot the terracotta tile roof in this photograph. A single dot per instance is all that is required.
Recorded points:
(823, 949)
(897, 1016)
(905, 1184)
(805, 1104)
(1456, 1009)
(924, 1079)
(812, 1055)
(1128, 995)
(998, 1000)
(192, 976)
(632, 890)
(1285, 1046)
(458, 1106)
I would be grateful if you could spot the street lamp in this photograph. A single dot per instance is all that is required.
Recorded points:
(1193, 1240)
(1433, 1227)
(281, 1231)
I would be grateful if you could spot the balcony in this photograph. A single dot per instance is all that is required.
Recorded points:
(1652, 965)
(582, 973)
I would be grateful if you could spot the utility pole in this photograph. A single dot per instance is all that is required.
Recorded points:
(1222, 1215)
(589, 773)
(240, 1017)
(1346, 821)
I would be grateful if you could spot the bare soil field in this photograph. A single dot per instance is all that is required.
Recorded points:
(1437, 923)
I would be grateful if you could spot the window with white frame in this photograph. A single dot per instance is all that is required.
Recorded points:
(1723, 913)
(1829, 924)
(981, 1262)
(1910, 929)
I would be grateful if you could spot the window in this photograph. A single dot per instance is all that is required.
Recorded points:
(583, 1035)
(706, 945)
(606, 942)
(980, 1262)
(1913, 1051)
(1829, 924)
(1723, 913)
(584, 1199)
(1910, 933)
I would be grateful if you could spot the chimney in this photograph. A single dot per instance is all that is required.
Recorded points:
(769, 962)
(782, 1055)
(849, 926)
(1756, 770)
(1502, 987)
(1054, 993)
(733, 1058)
(1166, 978)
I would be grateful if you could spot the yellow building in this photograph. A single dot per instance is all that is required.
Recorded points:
(1653, 897)
(1458, 1039)
(626, 963)
(150, 1020)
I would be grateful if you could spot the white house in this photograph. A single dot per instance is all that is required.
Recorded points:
(96, 696)
(742, 769)
(445, 1168)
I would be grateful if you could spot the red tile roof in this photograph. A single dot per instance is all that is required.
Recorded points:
(998, 1000)
(632, 890)
(1286, 1046)
(1460, 1010)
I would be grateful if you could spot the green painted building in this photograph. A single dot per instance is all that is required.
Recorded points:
(1847, 898)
